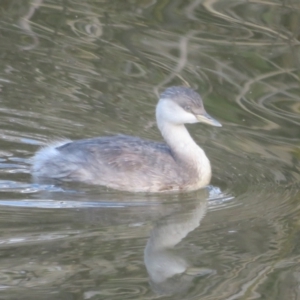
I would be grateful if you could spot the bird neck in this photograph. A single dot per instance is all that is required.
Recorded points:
(177, 137)
(180, 142)
(187, 153)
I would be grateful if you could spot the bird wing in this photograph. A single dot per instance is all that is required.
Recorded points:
(122, 153)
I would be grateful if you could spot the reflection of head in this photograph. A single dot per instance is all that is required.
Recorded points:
(174, 285)
(164, 266)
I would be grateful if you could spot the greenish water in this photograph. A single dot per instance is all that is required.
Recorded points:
(80, 69)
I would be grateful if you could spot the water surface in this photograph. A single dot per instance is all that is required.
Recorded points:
(78, 69)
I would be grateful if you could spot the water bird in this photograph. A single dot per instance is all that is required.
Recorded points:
(133, 164)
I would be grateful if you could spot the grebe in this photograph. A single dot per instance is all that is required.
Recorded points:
(132, 164)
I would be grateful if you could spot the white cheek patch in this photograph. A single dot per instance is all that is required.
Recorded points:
(173, 113)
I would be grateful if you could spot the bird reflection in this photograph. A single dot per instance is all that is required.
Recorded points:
(170, 272)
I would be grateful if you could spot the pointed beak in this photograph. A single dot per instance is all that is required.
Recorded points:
(206, 118)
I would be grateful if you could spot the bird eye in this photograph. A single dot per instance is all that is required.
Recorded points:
(187, 108)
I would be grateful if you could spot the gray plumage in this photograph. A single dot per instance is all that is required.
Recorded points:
(131, 163)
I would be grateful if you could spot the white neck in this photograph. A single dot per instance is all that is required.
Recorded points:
(190, 158)
(178, 138)
(184, 148)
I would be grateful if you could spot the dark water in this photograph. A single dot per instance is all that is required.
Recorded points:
(79, 69)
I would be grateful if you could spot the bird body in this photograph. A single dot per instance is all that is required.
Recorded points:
(134, 164)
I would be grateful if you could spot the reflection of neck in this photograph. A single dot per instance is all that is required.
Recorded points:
(160, 262)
